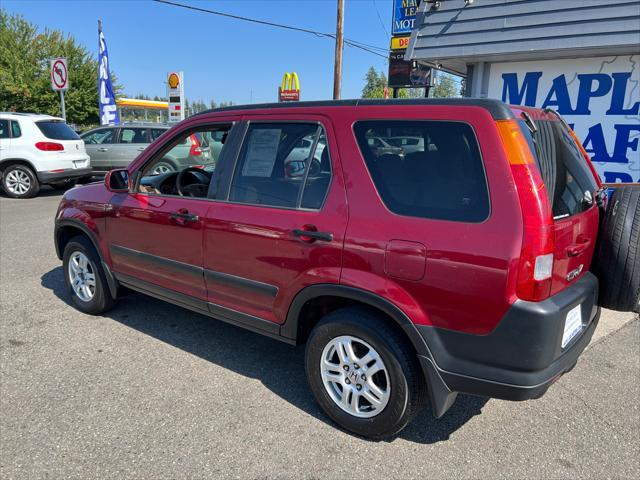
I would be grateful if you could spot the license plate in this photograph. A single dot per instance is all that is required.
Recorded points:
(78, 163)
(572, 325)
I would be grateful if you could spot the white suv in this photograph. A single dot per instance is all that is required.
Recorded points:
(39, 149)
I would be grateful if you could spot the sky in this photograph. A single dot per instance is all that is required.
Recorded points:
(222, 59)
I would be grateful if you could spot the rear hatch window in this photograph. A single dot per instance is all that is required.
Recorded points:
(57, 130)
(569, 181)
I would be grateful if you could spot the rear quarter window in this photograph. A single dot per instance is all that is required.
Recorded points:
(443, 179)
(57, 130)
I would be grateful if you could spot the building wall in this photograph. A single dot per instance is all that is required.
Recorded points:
(599, 96)
(489, 28)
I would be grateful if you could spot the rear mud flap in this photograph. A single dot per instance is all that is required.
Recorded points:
(441, 397)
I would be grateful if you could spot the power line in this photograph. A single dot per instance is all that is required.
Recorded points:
(352, 43)
(375, 5)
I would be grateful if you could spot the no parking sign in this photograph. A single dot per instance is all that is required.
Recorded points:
(59, 74)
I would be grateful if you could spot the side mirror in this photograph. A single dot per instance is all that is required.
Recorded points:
(117, 181)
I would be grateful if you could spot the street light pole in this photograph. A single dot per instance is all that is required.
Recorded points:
(337, 69)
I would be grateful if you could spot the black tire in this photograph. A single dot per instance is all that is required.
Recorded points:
(618, 260)
(62, 186)
(407, 385)
(102, 300)
(23, 172)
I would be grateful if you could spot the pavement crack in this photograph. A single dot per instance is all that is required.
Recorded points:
(593, 412)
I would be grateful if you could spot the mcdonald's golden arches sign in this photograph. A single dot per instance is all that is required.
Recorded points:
(289, 90)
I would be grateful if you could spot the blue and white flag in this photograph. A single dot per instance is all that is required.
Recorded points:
(107, 100)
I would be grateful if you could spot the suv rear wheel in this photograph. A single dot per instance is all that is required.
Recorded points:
(363, 373)
(85, 277)
(19, 181)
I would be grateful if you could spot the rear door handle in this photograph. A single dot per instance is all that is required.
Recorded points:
(183, 216)
(313, 235)
(102, 149)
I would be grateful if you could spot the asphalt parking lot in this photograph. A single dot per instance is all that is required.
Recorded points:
(154, 391)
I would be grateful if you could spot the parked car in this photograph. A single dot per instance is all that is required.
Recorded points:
(408, 144)
(465, 267)
(39, 150)
(116, 146)
(382, 146)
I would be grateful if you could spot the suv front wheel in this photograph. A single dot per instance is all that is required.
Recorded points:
(363, 373)
(85, 278)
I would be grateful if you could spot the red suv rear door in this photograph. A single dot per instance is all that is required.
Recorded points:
(282, 221)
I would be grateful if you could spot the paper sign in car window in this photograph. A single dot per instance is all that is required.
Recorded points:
(261, 152)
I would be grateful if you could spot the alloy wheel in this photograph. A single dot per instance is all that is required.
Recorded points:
(355, 377)
(160, 169)
(81, 276)
(17, 182)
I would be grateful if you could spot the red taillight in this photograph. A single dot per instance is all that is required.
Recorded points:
(538, 243)
(49, 146)
(195, 150)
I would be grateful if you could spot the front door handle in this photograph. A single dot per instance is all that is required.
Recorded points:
(183, 216)
(312, 235)
(102, 149)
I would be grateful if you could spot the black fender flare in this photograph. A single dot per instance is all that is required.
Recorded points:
(440, 394)
(70, 222)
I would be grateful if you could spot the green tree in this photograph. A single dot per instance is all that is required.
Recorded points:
(374, 86)
(25, 84)
(445, 86)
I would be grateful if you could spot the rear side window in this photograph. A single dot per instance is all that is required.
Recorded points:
(96, 137)
(16, 132)
(440, 177)
(564, 170)
(282, 165)
(156, 132)
(4, 129)
(133, 135)
(57, 130)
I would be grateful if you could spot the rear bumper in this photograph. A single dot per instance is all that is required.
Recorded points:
(66, 174)
(523, 356)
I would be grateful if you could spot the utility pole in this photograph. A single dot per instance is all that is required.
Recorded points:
(337, 69)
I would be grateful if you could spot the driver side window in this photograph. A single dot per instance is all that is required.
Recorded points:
(186, 165)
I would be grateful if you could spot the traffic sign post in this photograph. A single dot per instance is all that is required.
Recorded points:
(60, 80)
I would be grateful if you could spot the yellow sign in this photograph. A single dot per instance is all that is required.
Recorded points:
(290, 81)
(289, 91)
(173, 80)
(399, 43)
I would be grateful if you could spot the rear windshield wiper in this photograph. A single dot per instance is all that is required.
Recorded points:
(529, 122)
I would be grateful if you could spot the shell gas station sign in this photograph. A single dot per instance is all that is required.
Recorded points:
(289, 90)
(175, 95)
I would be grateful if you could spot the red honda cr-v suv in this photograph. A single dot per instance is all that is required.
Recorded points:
(455, 259)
